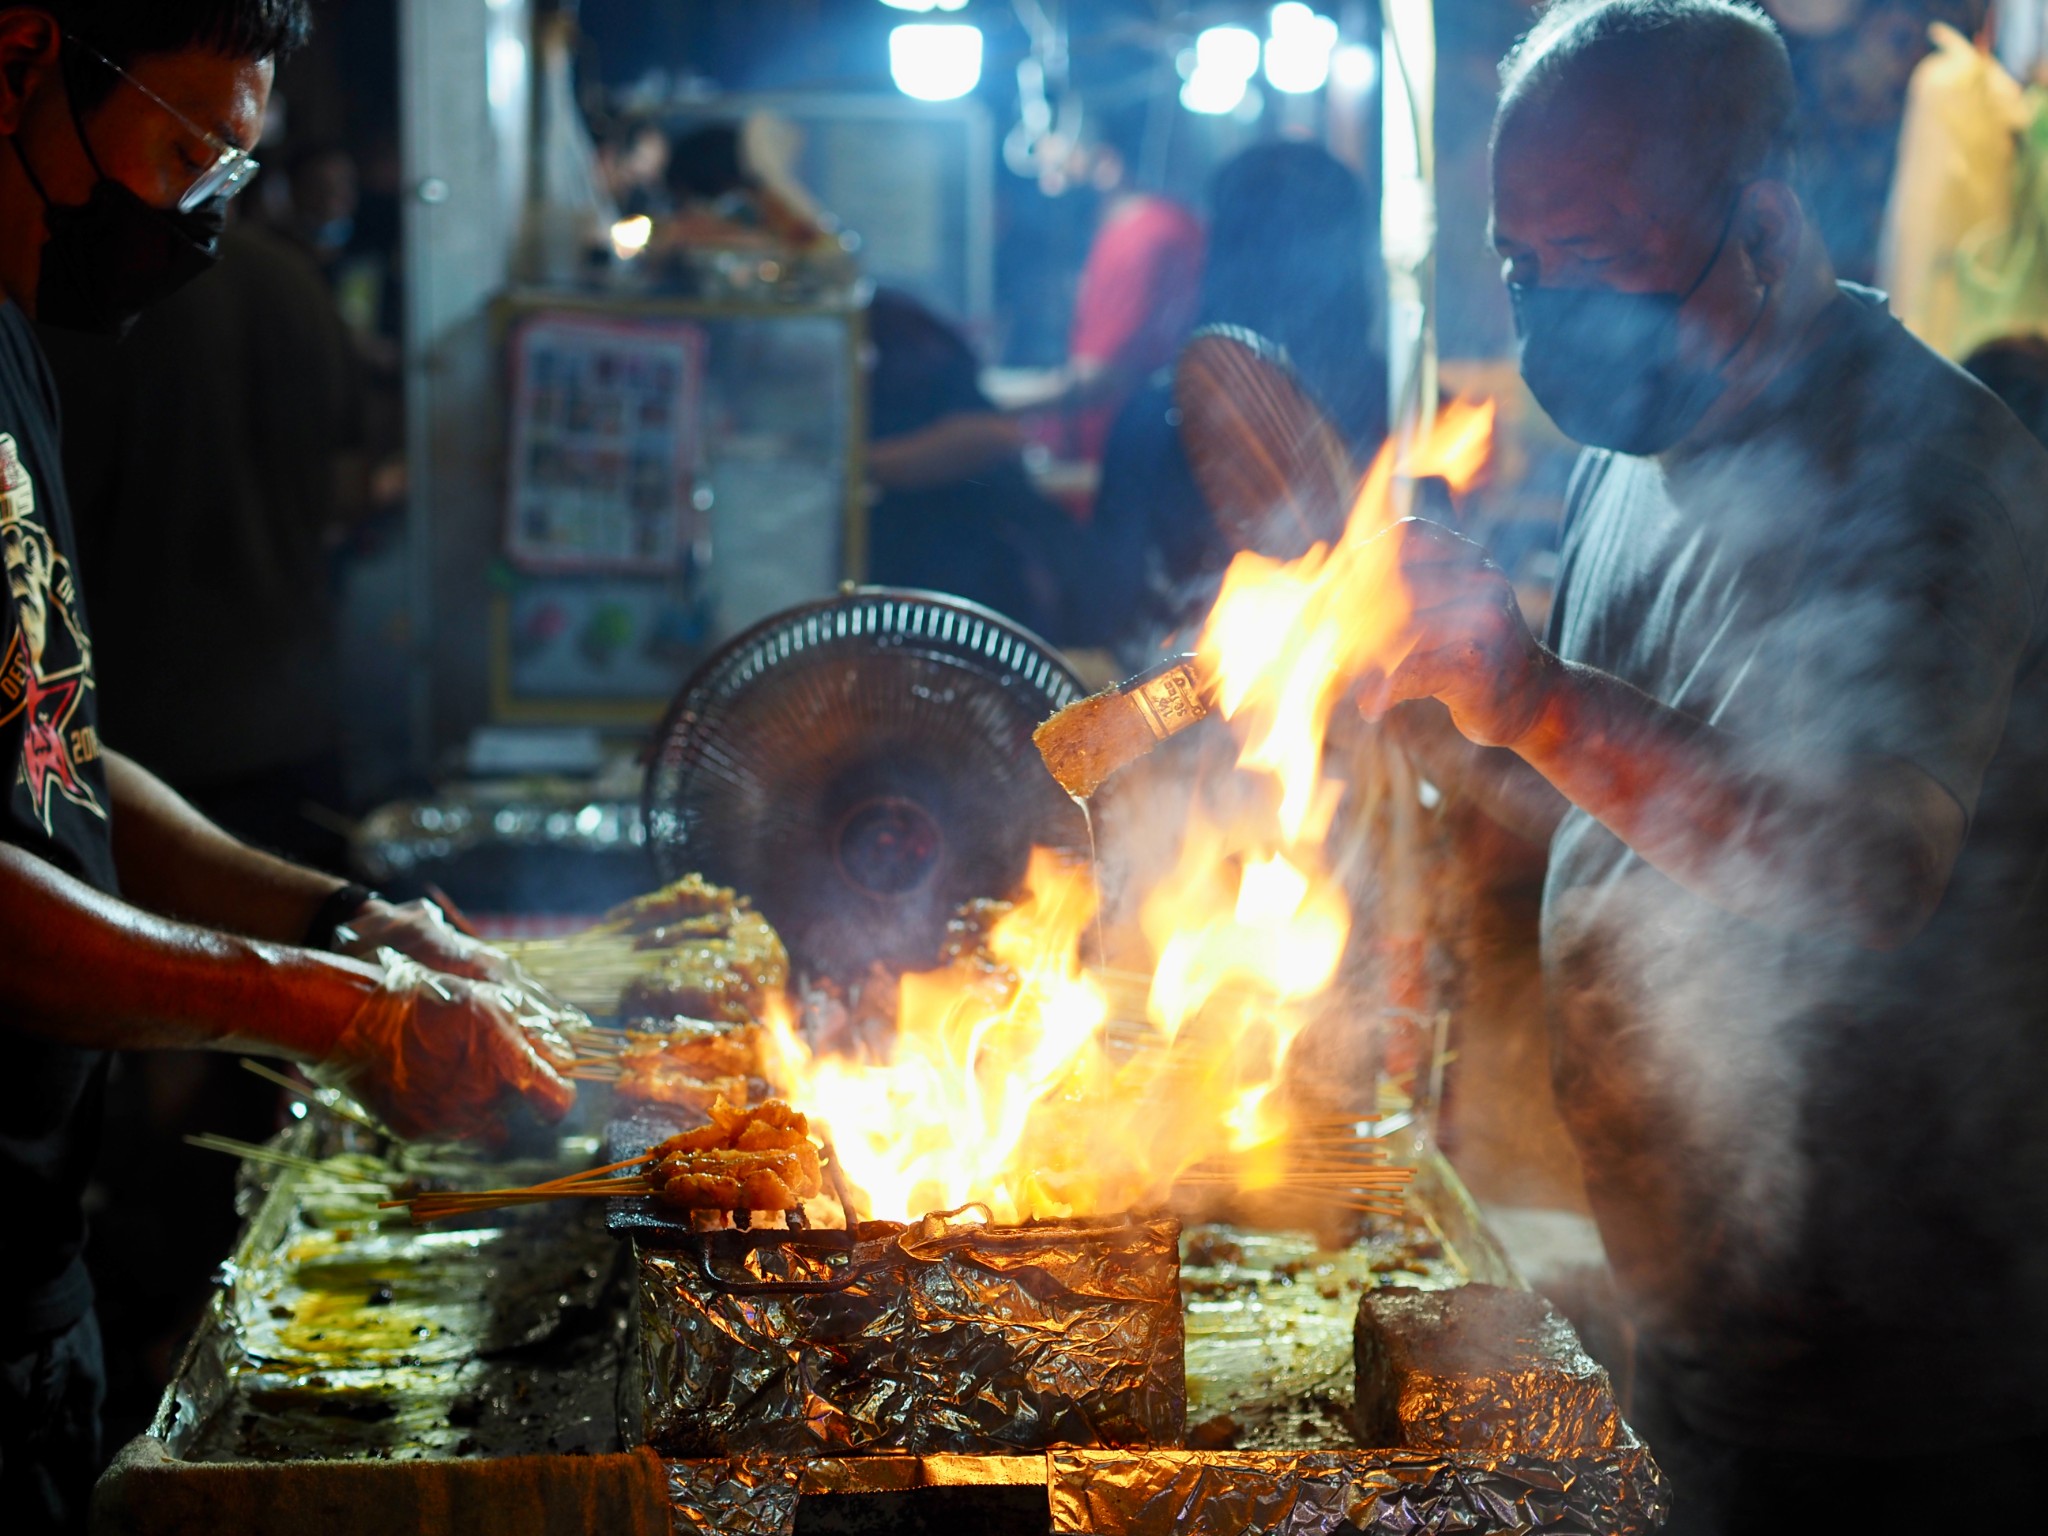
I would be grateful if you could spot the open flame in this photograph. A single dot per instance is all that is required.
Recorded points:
(1032, 1086)
(1285, 640)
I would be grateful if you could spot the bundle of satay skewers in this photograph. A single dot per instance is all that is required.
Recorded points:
(690, 948)
(743, 1161)
(688, 1064)
(1328, 1164)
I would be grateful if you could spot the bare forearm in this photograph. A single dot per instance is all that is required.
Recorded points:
(1859, 850)
(173, 861)
(952, 448)
(82, 967)
(1514, 794)
(1500, 783)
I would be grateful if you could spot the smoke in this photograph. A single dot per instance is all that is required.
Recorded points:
(1793, 1050)
(1802, 1061)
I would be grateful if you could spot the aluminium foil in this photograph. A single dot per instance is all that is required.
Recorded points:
(1617, 1492)
(734, 1496)
(941, 1337)
(1478, 1368)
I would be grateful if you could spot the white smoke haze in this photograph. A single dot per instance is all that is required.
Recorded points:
(1762, 1101)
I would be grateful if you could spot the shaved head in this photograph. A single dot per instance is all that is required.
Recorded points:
(1644, 149)
(1701, 89)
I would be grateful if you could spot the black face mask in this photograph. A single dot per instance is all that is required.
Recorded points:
(1606, 365)
(112, 256)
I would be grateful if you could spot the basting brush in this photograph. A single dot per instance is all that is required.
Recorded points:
(1093, 737)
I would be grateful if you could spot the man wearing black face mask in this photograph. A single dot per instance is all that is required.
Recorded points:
(126, 919)
(1786, 742)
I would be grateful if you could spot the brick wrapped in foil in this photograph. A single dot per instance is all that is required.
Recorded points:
(1495, 1419)
(1617, 1492)
(739, 1496)
(1479, 1368)
(943, 1337)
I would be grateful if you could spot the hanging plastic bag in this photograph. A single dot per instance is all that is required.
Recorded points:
(1954, 186)
(2002, 274)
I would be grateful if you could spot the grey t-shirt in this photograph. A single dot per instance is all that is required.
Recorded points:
(1822, 1171)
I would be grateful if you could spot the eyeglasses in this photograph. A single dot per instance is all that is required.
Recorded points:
(232, 169)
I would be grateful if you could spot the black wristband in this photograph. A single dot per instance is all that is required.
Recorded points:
(336, 909)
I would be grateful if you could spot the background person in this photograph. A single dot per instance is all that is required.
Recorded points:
(1291, 240)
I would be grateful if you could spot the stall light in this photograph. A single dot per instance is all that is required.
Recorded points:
(1298, 52)
(1355, 67)
(1211, 93)
(935, 61)
(1223, 63)
(630, 236)
(1228, 51)
(922, 6)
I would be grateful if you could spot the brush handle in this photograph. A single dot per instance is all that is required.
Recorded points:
(1170, 696)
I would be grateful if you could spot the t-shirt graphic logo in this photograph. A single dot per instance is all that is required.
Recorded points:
(47, 665)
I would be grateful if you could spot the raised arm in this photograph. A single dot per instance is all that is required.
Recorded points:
(1501, 784)
(1859, 848)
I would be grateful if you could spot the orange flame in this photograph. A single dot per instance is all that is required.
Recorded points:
(1007, 1085)
(1284, 640)
(1459, 445)
(1010, 1085)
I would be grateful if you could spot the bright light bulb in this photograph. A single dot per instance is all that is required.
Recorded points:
(1213, 93)
(1229, 52)
(935, 61)
(629, 239)
(1298, 52)
(926, 5)
(1355, 67)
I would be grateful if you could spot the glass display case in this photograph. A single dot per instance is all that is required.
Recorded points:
(676, 470)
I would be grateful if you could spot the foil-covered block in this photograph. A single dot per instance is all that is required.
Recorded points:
(1479, 1368)
(939, 1337)
(740, 1496)
(1355, 1493)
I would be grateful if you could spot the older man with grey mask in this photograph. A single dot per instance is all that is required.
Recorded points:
(1787, 741)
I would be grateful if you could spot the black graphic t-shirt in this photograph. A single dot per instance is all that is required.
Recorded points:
(53, 803)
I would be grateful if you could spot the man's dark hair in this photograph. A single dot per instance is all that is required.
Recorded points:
(1716, 71)
(1289, 232)
(126, 30)
(706, 163)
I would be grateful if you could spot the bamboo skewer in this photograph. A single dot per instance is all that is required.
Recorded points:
(594, 1184)
(313, 1096)
(251, 1152)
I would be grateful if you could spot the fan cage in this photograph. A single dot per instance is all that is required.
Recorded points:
(1023, 666)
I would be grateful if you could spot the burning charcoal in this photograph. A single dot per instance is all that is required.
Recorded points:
(1478, 1368)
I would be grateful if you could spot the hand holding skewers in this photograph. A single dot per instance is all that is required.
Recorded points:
(437, 1055)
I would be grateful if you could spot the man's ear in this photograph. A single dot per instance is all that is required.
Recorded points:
(29, 41)
(1773, 225)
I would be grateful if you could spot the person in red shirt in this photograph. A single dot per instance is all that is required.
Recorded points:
(1136, 302)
